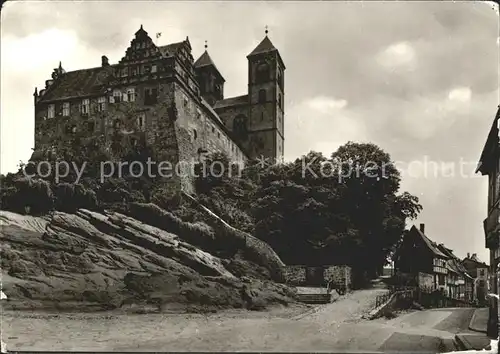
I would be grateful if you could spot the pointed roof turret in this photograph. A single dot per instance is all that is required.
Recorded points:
(206, 61)
(265, 47)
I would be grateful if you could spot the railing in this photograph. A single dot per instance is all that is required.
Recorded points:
(426, 296)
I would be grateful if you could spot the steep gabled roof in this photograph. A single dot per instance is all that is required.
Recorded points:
(79, 83)
(433, 247)
(476, 260)
(483, 164)
(171, 49)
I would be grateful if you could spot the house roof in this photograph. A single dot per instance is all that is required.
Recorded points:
(483, 164)
(232, 101)
(430, 244)
(476, 260)
(88, 82)
(169, 50)
(79, 83)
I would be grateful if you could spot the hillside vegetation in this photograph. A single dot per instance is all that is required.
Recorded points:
(127, 239)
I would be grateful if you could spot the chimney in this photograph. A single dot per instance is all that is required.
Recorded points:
(422, 228)
(468, 255)
(104, 61)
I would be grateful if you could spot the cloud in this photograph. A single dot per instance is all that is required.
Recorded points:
(18, 53)
(325, 104)
(398, 55)
(321, 124)
(460, 94)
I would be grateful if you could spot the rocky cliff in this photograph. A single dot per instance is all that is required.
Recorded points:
(147, 260)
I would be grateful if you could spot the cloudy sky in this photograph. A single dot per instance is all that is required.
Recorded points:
(420, 79)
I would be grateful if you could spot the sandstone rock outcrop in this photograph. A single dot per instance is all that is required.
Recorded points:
(111, 260)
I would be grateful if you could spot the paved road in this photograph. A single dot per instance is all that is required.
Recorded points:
(333, 327)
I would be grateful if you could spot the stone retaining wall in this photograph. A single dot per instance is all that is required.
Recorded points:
(339, 274)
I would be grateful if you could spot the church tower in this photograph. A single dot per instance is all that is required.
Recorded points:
(209, 78)
(266, 99)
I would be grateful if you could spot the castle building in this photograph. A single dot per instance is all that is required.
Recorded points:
(159, 95)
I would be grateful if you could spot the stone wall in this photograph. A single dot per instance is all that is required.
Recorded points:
(295, 275)
(339, 274)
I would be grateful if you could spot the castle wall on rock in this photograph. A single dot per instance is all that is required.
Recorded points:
(160, 96)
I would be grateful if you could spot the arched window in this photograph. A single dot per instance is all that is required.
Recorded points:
(279, 101)
(240, 126)
(262, 74)
(262, 96)
(195, 134)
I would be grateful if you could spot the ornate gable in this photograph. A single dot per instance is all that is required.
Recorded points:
(141, 48)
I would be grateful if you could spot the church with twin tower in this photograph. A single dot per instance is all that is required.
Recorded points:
(160, 95)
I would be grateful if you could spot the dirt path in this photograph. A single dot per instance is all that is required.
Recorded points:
(277, 330)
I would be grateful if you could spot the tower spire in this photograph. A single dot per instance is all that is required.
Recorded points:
(206, 45)
(267, 31)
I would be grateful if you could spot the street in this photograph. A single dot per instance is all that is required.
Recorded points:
(333, 327)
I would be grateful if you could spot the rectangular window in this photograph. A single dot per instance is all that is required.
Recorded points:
(85, 107)
(131, 94)
(153, 68)
(141, 122)
(101, 104)
(150, 96)
(51, 111)
(66, 109)
(117, 96)
(186, 101)
(198, 114)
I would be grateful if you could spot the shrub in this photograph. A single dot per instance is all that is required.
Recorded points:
(27, 195)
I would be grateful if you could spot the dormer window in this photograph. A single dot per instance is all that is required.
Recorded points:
(51, 111)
